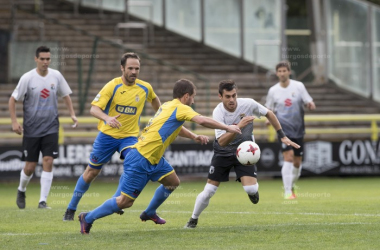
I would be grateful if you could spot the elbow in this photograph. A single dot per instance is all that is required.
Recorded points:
(92, 111)
(269, 113)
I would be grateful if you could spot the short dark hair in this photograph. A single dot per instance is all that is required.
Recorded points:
(281, 64)
(183, 87)
(41, 49)
(128, 55)
(226, 85)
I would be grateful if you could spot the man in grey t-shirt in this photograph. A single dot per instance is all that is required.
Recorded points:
(240, 112)
(39, 90)
(287, 99)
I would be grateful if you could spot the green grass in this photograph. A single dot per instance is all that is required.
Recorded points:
(331, 213)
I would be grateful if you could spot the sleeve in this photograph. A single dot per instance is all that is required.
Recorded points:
(185, 113)
(306, 98)
(21, 89)
(258, 109)
(269, 100)
(63, 86)
(103, 97)
(217, 115)
(151, 94)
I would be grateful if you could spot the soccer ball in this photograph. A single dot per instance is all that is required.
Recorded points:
(248, 153)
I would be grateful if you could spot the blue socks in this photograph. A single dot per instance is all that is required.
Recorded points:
(118, 190)
(79, 191)
(159, 197)
(107, 208)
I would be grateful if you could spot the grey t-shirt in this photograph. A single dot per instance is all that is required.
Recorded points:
(245, 107)
(40, 101)
(287, 103)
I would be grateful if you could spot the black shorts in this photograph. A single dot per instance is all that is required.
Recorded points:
(222, 165)
(31, 147)
(297, 151)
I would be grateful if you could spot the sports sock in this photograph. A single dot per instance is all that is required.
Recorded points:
(296, 173)
(203, 200)
(79, 191)
(159, 197)
(287, 177)
(252, 189)
(24, 181)
(108, 207)
(46, 180)
(118, 190)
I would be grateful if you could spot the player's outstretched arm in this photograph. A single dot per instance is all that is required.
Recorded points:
(110, 120)
(16, 127)
(69, 105)
(211, 123)
(202, 139)
(277, 126)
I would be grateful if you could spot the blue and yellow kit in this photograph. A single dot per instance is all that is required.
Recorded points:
(162, 129)
(117, 98)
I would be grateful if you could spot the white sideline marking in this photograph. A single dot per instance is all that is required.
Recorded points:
(276, 213)
(203, 228)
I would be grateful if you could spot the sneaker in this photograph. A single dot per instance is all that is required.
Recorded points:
(20, 199)
(254, 198)
(192, 223)
(84, 226)
(294, 193)
(69, 215)
(120, 212)
(290, 196)
(43, 205)
(154, 218)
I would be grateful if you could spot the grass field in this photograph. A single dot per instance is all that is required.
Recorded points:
(330, 213)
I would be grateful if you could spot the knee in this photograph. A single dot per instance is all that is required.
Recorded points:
(124, 202)
(209, 190)
(173, 184)
(296, 164)
(29, 168)
(90, 174)
(48, 160)
(288, 156)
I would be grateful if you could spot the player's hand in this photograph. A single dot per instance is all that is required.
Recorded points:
(311, 106)
(113, 122)
(202, 139)
(245, 121)
(234, 129)
(75, 120)
(267, 122)
(288, 142)
(16, 127)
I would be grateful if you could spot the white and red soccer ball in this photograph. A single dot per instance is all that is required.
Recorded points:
(248, 153)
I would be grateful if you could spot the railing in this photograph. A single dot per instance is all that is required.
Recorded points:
(372, 129)
(99, 39)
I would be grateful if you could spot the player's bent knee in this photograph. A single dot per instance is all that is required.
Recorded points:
(90, 174)
(124, 202)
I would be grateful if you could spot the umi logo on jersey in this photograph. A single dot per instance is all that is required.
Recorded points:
(129, 110)
(45, 93)
(288, 102)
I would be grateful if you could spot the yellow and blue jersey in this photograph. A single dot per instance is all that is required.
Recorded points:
(162, 129)
(117, 98)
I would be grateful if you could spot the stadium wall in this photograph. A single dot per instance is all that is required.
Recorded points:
(321, 158)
